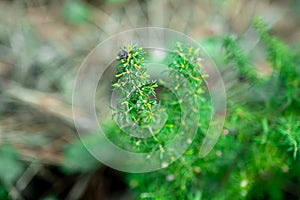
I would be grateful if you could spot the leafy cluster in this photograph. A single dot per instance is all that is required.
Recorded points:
(182, 65)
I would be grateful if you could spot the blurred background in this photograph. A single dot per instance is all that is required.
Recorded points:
(43, 43)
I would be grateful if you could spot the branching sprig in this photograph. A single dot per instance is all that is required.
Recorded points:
(281, 59)
(136, 90)
(187, 61)
(235, 55)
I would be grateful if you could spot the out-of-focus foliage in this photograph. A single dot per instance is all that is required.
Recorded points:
(237, 58)
(10, 167)
(284, 60)
(116, 1)
(77, 158)
(76, 12)
(3, 192)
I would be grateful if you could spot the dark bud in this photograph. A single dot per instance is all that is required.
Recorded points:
(242, 78)
(123, 53)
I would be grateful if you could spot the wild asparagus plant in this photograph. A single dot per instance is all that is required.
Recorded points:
(257, 156)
